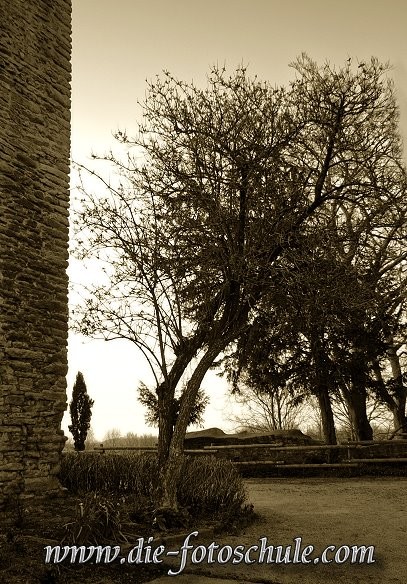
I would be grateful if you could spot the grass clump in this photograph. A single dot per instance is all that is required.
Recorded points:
(98, 520)
(208, 487)
(121, 474)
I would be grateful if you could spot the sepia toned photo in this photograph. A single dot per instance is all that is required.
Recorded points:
(203, 275)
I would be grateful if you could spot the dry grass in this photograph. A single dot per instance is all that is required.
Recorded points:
(110, 500)
(208, 486)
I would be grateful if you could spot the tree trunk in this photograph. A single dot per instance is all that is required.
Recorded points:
(327, 417)
(400, 418)
(356, 397)
(166, 393)
(170, 471)
(165, 407)
(356, 400)
(322, 388)
(395, 403)
(171, 468)
(400, 391)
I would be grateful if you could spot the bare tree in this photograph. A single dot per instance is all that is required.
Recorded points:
(217, 184)
(183, 235)
(377, 413)
(91, 441)
(112, 437)
(267, 411)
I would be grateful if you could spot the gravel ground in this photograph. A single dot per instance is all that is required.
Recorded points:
(323, 512)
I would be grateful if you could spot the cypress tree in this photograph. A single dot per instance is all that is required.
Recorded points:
(80, 409)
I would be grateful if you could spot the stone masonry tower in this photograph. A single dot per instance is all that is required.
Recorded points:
(35, 50)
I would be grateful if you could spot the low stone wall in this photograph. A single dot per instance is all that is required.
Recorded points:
(382, 449)
(312, 454)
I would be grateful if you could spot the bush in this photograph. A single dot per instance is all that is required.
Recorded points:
(121, 474)
(208, 486)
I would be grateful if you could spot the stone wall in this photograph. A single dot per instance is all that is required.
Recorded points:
(312, 454)
(35, 48)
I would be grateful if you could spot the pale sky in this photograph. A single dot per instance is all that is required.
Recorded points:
(118, 44)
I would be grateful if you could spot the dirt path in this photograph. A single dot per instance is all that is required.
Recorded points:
(326, 512)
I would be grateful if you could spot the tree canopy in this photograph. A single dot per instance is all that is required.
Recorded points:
(211, 210)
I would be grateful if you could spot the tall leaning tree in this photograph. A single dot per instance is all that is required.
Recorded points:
(194, 221)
